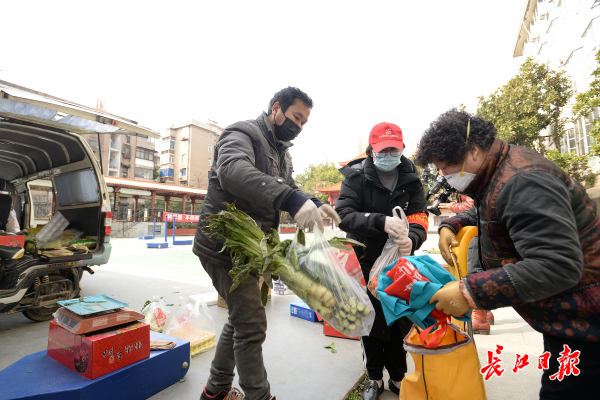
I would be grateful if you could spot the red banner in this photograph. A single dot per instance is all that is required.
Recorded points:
(180, 217)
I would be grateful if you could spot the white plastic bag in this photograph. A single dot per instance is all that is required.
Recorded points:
(325, 286)
(391, 251)
(197, 327)
(12, 225)
(156, 313)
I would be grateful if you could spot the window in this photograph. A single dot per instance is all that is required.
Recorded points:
(166, 172)
(210, 135)
(124, 172)
(210, 162)
(126, 151)
(183, 171)
(78, 187)
(127, 139)
(93, 141)
(144, 154)
(210, 148)
(172, 144)
(171, 159)
(184, 145)
(184, 158)
(144, 173)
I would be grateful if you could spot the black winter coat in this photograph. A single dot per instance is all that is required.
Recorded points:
(252, 171)
(364, 203)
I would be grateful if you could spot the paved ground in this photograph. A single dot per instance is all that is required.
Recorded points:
(299, 367)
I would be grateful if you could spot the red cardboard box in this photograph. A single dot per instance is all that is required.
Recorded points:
(329, 330)
(99, 353)
(13, 240)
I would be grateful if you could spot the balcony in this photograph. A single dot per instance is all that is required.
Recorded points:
(114, 165)
(114, 145)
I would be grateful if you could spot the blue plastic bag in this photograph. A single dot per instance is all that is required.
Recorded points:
(419, 308)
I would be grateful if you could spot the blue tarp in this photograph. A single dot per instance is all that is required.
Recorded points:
(419, 308)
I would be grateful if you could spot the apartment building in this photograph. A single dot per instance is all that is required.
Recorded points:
(186, 153)
(566, 33)
(125, 156)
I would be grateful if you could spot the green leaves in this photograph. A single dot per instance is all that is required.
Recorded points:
(319, 176)
(264, 293)
(332, 347)
(529, 103)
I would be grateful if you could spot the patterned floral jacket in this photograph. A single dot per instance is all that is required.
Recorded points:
(539, 241)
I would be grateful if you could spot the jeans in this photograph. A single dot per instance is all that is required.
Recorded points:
(240, 343)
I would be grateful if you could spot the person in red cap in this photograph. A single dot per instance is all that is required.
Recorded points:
(372, 187)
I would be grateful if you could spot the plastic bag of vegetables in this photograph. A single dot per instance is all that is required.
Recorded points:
(324, 284)
(390, 254)
(252, 249)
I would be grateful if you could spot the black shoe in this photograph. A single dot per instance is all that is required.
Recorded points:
(220, 395)
(393, 387)
(372, 391)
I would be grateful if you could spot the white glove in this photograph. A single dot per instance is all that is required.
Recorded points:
(395, 227)
(307, 215)
(405, 245)
(327, 211)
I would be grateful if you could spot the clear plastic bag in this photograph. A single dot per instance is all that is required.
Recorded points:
(156, 313)
(391, 252)
(325, 286)
(12, 226)
(197, 326)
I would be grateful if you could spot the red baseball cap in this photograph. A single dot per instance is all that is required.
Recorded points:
(385, 135)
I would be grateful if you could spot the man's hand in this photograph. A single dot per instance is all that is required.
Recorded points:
(394, 227)
(451, 300)
(307, 215)
(447, 238)
(444, 206)
(327, 211)
(405, 245)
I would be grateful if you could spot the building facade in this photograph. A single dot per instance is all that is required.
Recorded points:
(187, 153)
(566, 33)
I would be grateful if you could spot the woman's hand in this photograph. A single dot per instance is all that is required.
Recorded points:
(451, 300)
(447, 238)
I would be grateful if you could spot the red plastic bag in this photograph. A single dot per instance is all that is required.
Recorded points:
(349, 261)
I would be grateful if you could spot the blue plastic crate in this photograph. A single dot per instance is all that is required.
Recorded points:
(300, 310)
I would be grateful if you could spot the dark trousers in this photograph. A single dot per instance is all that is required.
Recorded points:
(584, 386)
(240, 342)
(384, 347)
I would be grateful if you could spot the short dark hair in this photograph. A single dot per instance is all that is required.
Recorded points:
(446, 138)
(369, 151)
(286, 97)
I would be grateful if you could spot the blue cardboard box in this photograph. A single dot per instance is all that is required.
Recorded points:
(300, 310)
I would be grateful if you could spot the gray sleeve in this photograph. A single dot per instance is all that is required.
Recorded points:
(238, 175)
(536, 209)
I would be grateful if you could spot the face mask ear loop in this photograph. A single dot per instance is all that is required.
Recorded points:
(462, 171)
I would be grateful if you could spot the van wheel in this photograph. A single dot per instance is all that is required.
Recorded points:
(41, 314)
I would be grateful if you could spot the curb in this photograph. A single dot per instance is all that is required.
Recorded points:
(358, 381)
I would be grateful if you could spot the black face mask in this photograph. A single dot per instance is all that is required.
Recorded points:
(286, 131)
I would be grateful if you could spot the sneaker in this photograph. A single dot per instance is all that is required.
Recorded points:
(393, 388)
(235, 394)
(372, 391)
(220, 395)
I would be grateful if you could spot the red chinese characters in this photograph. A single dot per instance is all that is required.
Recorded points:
(543, 361)
(568, 362)
(493, 367)
(521, 362)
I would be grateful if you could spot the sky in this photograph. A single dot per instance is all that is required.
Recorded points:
(362, 62)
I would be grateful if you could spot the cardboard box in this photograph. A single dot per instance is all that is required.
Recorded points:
(13, 240)
(300, 310)
(221, 301)
(329, 330)
(99, 353)
(80, 324)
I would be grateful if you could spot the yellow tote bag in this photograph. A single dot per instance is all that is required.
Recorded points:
(449, 371)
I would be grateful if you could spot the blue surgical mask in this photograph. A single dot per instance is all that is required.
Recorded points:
(387, 161)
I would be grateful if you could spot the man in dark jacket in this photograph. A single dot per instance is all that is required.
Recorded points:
(372, 188)
(253, 168)
(539, 245)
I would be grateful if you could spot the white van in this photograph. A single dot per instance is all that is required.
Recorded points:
(41, 148)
